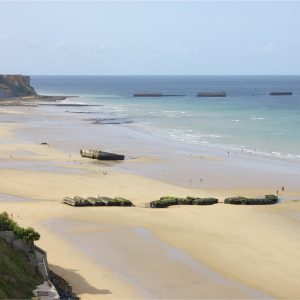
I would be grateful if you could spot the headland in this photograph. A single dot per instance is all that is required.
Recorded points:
(16, 90)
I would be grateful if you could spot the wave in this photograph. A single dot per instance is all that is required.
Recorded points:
(70, 104)
(259, 118)
(104, 96)
(192, 137)
(173, 113)
(119, 112)
(83, 112)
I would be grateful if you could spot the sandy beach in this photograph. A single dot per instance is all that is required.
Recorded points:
(213, 252)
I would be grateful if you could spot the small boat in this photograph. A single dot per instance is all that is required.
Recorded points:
(100, 155)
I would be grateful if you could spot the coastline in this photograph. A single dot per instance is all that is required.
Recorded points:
(210, 235)
(242, 121)
(164, 159)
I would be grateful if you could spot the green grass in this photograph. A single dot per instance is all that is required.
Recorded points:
(18, 278)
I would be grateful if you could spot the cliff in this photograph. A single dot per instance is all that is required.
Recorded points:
(18, 277)
(15, 86)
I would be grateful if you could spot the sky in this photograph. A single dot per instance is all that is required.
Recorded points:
(149, 37)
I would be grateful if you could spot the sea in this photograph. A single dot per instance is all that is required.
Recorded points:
(248, 118)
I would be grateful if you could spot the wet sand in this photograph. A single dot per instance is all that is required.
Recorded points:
(155, 269)
(220, 251)
(177, 163)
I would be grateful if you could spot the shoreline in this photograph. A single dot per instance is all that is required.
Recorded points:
(183, 165)
(215, 148)
(227, 239)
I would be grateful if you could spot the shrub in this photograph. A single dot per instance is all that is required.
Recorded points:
(30, 234)
(7, 223)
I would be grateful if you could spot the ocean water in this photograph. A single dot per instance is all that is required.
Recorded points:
(248, 118)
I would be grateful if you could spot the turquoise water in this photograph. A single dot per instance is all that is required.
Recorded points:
(248, 118)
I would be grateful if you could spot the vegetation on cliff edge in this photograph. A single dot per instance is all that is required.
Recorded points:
(6, 223)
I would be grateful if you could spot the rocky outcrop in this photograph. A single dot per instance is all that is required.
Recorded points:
(12, 86)
(63, 288)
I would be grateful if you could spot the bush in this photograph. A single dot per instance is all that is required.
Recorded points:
(30, 234)
(7, 223)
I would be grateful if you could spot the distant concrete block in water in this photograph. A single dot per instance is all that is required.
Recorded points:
(148, 95)
(211, 94)
(157, 95)
(281, 93)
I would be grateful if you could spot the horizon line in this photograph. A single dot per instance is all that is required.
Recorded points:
(112, 75)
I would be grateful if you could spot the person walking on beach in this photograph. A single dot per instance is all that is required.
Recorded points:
(282, 188)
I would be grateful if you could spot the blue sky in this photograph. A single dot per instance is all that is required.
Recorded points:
(149, 37)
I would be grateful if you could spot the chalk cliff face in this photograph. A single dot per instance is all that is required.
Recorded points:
(15, 86)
